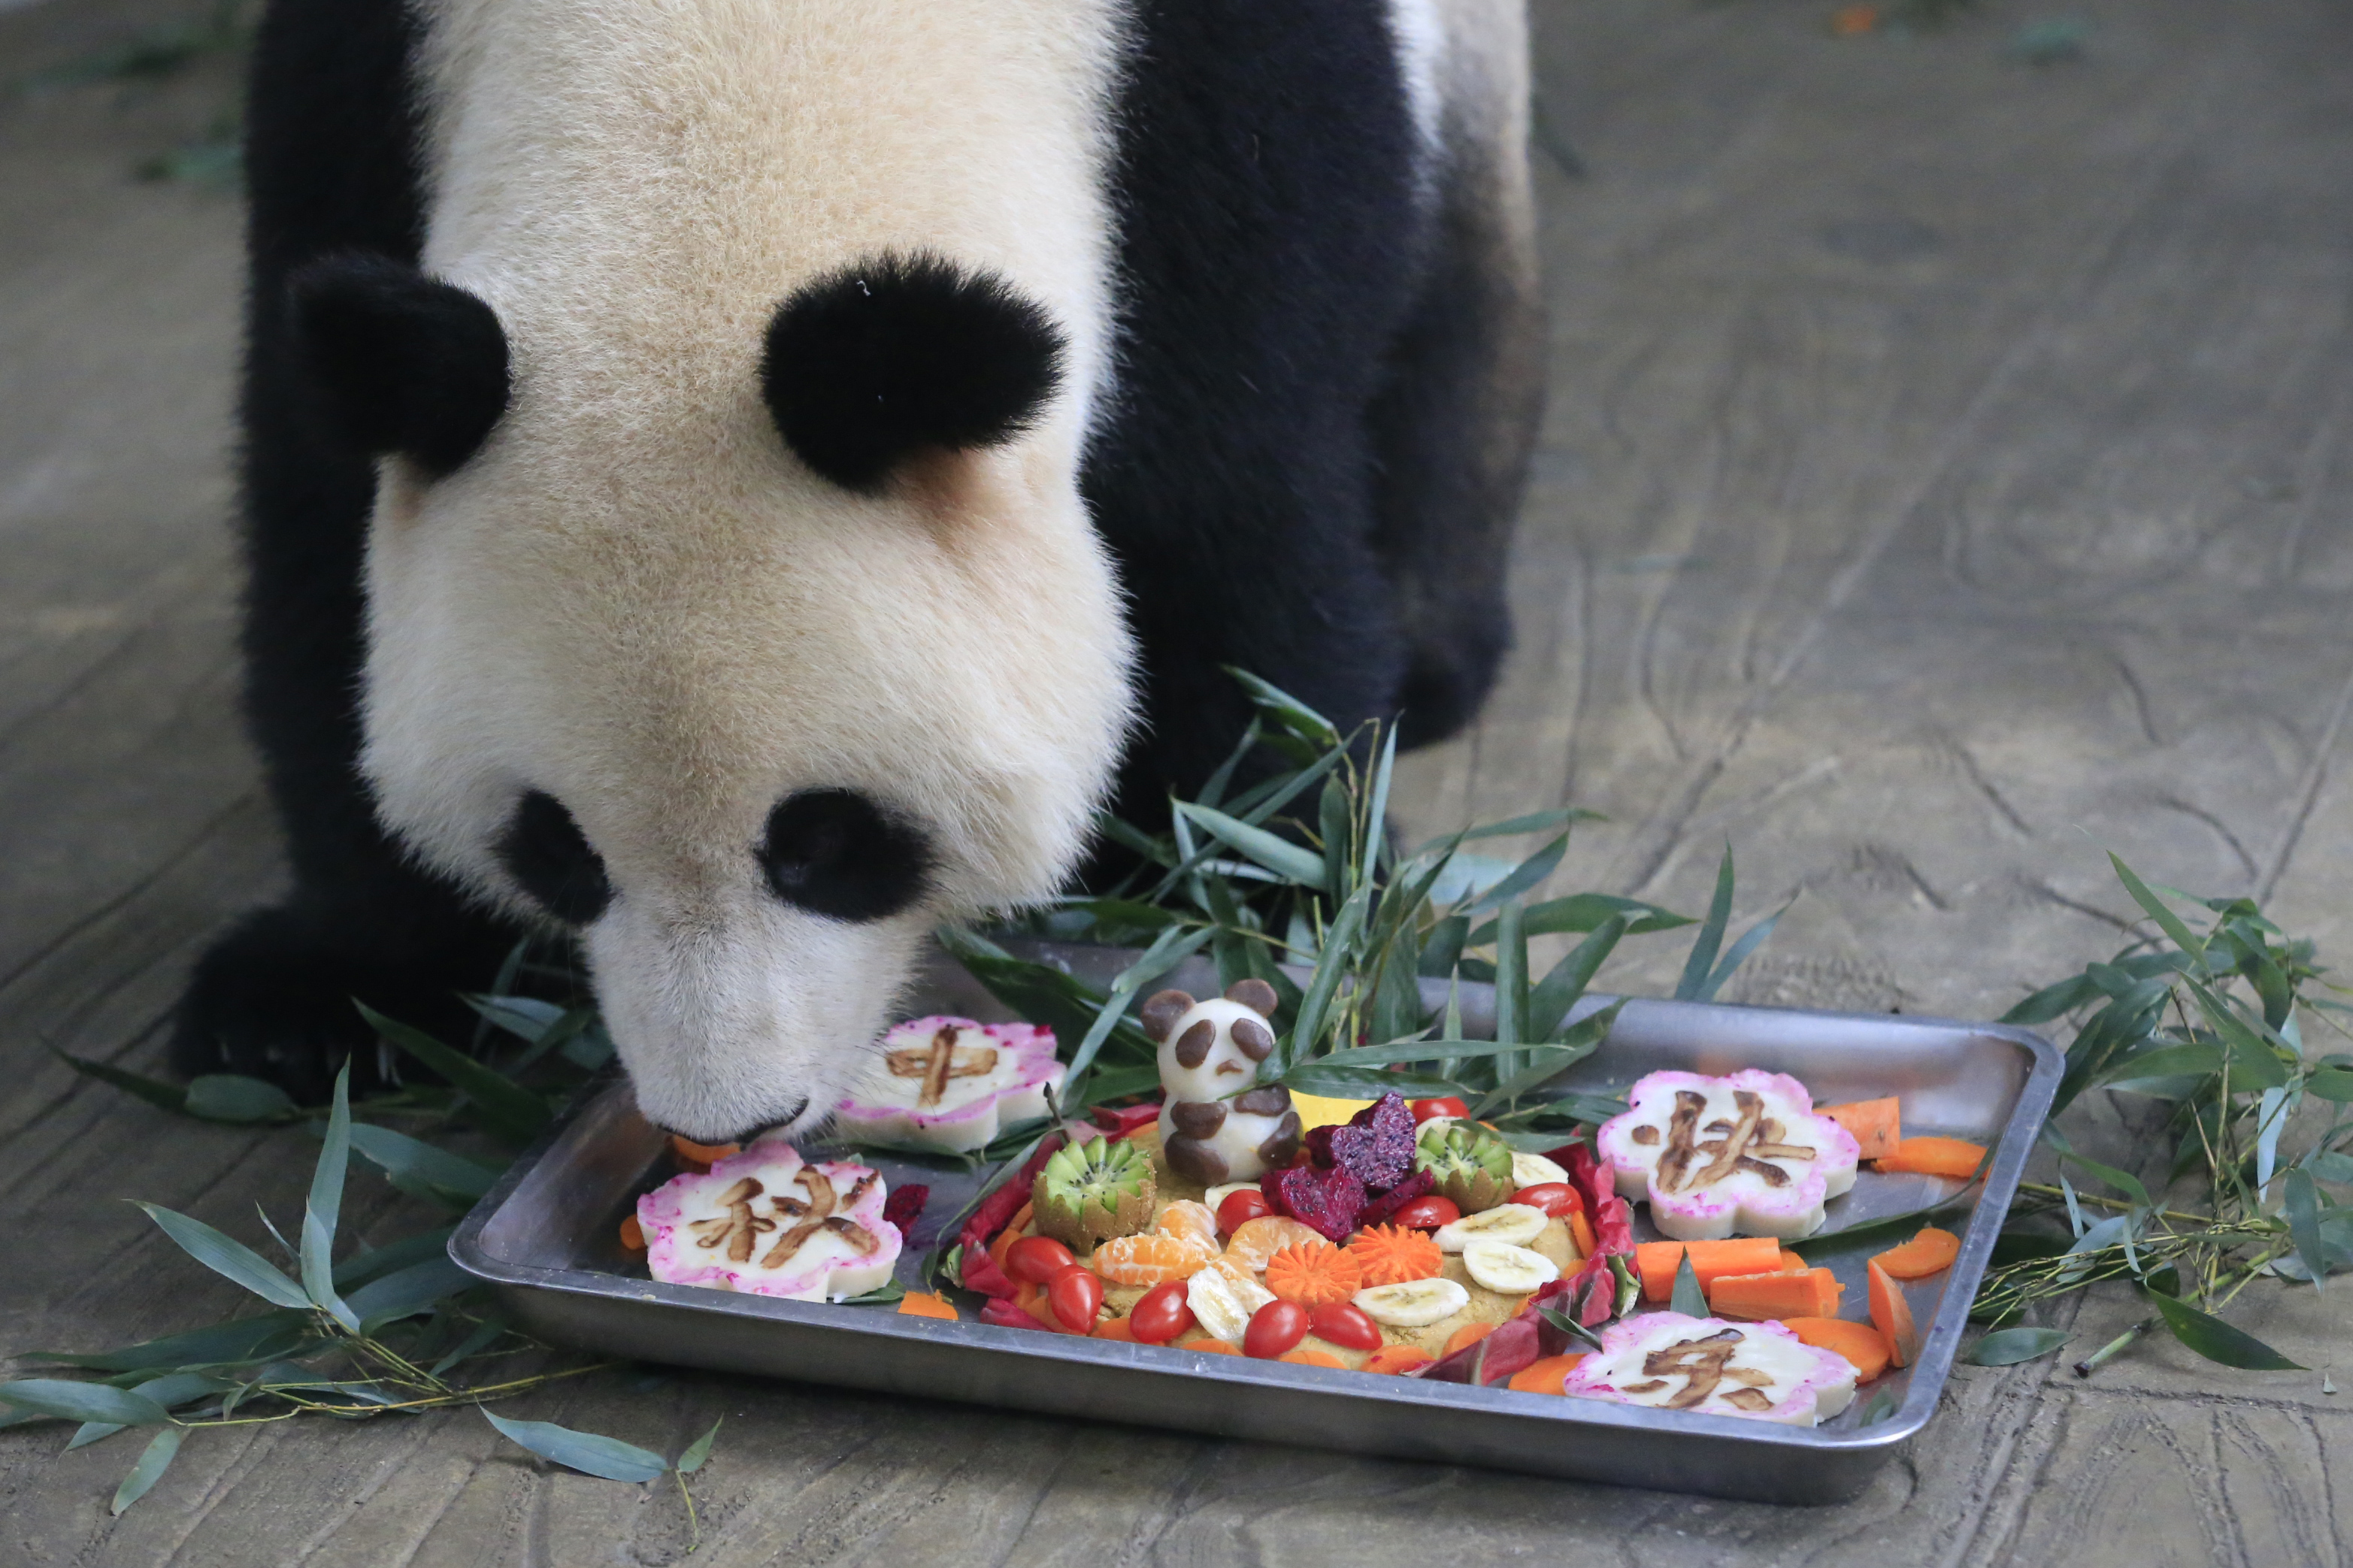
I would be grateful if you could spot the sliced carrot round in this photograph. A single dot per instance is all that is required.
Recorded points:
(1392, 1254)
(1314, 1275)
(1395, 1359)
(1306, 1357)
(1466, 1336)
(1545, 1376)
(1930, 1252)
(1859, 1342)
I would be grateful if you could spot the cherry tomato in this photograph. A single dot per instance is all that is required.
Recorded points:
(1076, 1296)
(1273, 1329)
(1162, 1315)
(1427, 1212)
(1557, 1199)
(1241, 1208)
(1346, 1324)
(1037, 1258)
(1429, 1110)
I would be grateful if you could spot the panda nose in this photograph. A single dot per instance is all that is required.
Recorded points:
(544, 851)
(838, 852)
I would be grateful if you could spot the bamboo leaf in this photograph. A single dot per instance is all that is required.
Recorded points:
(1331, 966)
(171, 1391)
(256, 1338)
(507, 1110)
(324, 1208)
(153, 1090)
(527, 1018)
(1279, 856)
(1732, 960)
(407, 1291)
(1580, 912)
(2301, 1203)
(1377, 814)
(2055, 1001)
(1704, 945)
(71, 1401)
(230, 1097)
(2218, 1341)
(1549, 1002)
(357, 1270)
(1529, 873)
(698, 1451)
(417, 1167)
(608, 1458)
(2167, 920)
(2008, 1347)
(1689, 1298)
(1534, 821)
(1311, 1076)
(1287, 710)
(160, 1452)
(229, 1259)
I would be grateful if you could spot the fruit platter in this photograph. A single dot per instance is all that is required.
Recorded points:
(1752, 1282)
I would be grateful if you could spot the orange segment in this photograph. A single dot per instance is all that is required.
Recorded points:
(1259, 1239)
(1188, 1221)
(1149, 1260)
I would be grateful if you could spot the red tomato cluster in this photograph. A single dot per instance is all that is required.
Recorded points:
(1162, 1315)
(1427, 1213)
(1073, 1292)
(1275, 1328)
(1431, 1110)
(1557, 1199)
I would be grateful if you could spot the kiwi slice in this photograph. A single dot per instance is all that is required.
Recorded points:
(1471, 1166)
(1093, 1191)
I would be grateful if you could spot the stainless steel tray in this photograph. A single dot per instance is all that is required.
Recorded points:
(546, 1238)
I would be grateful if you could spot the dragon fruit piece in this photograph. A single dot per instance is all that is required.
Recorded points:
(905, 1204)
(1326, 1201)
(767, 1223)
(1379, 1209)
(1376, 1145)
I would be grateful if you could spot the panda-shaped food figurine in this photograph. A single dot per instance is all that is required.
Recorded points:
(1220, 1124)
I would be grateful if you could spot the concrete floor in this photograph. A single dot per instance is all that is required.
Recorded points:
(1944, 482)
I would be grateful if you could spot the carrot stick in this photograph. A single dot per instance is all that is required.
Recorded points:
(1216, 1347)
(1544, 1376)
(1656, 1260)
(1877, 1124)
(922, 1304)
(1891, 1314)
(1580, 1231)
(1114, 1329)
(1859, 1342)
(1956, 1157)
(1306, 1357)
(1793, 1264)
(633, 1236)
(1930, 1252)
(1813, 1294)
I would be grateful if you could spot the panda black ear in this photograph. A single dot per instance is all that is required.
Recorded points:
(875, 363)
(401, 362)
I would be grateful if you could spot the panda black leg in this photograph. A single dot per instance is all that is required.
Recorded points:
(1452, 430)
(273, 997)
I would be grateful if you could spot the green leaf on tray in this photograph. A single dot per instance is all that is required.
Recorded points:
(608, 1458)
(2008, 1347)
(1689, 1298)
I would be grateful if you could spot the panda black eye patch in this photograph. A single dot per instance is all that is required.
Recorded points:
(399, 363)
(866, 367)
(835, 852)
(544, 851)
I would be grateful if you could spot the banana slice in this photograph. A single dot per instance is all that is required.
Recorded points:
(1506, 1269)
(1534, 1171)
(1223, 1298)
(1513, 1225)
(1415, 1304)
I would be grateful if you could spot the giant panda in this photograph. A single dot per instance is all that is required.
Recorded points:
(745, 479)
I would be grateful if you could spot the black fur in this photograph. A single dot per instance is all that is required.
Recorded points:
(835, 852)
(881, 361)
(548, 856)
(1307, 471)
(402, 363)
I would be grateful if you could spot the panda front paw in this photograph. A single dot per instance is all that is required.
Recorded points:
(273, 999)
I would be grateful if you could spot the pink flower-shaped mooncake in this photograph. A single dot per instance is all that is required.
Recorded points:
(1740, 1155)
(951, 1083)
(1665, 1360)
(767, 1223)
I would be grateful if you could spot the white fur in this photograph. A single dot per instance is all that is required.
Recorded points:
(636, 599)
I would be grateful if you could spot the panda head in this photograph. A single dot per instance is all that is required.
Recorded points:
(749, 644)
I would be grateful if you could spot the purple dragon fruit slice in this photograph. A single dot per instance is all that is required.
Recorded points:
(1739, 1155)
(1379, 1209)
(951, 1084)
(1664, 1361)
(1326, 1201)
(767, 1223)
(1376, 1145)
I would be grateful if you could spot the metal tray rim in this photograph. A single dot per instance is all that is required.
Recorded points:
(1938, 1350)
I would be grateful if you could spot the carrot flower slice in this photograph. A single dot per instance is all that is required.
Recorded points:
(1391, 1255)
(1314, 1274)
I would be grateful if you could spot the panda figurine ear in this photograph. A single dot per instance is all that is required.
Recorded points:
(1255, 994)
(1160, 1012)
(871, 364)
(400, 363)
